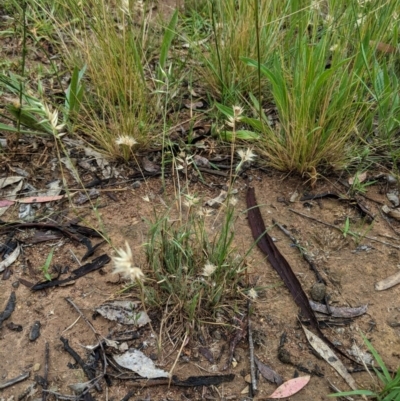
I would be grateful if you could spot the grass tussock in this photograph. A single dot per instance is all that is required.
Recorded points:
(320, 83)
(231, 34)
(318, 79)
(119, 103)
(197, 276)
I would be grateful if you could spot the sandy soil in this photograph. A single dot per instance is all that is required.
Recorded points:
(350, 272)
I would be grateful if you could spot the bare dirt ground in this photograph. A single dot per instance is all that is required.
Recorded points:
(350, 270)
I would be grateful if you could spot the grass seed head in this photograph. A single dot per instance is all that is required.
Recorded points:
(123, 264)
(126, 140)
(208, 269)
(246, 155)
(237, 112)
(253, 294)
(190, 201)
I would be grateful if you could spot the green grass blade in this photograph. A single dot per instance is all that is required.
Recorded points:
(9, 128)
(378, 358)
(169, 35)
(74, 92)
(241, 134)
(353, 392)
(48, 259)
(225, 110)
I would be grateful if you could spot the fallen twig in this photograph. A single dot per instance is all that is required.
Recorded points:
(9, 308)
(46, 226)
(89, 373)
(388, 282)
(388, 222)
(305, 255)
(192, 381)
(214, 172)
(282, 267)
(336, 390)
(99, 337)
(81, 271)
(253, 386)
(46, 371)
(239, 334)
(339, 229)
(17, 379)
(335, 311)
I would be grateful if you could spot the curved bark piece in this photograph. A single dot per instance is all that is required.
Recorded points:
(277, 260)
(280, 264)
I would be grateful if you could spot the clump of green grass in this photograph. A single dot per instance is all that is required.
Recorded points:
(318, 85)
(116, 43)
(196, 274)
(231, 33)
(389, 388)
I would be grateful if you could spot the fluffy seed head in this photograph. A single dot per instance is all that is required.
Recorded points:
(252, 293)
(246, 155)
(237, 111)
(208, 269)
(126, 140)
(190, 201)
(123, 264)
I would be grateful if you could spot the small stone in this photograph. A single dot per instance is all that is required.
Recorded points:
(136, 184)
(247, 378)
(15, 284)
(123, 347)
(36, 367)
(391, 180)
(14, 327)
(394, 321)
(245, 390)
(318, 292)
(284, 356)
(35, 331)
(217, 334)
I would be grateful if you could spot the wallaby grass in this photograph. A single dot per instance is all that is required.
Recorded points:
(329, 69)
(322, 68)
(311, 85)
(197, 274)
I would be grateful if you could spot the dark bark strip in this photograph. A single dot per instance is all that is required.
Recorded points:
(280, 264)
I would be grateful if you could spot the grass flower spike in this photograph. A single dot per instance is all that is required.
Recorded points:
(246, 155)
(208, 269)
(190, 201)
(237, 112)
(126, 140)
(123, 264)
